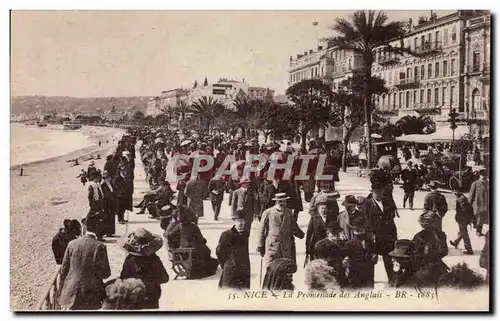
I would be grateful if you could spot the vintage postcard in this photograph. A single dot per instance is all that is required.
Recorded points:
(250, 160)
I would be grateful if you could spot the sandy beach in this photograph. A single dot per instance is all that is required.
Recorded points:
(48, 193)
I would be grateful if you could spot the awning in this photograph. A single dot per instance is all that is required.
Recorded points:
(415, 138)
(446, 134)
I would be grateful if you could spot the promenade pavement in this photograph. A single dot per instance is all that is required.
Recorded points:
(176, 293)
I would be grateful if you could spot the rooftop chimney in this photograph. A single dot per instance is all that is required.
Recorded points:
(310, 51)
(291, 58)
(305, 53)
(320, 48)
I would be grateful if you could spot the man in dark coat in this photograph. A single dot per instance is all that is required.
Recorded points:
(121, 189)
(435, 201)
(244, 199)
(110, 166)
(479, 198)
(380, 214)
(216, 188)
(232, 253)
(109, 205)
(464, 216)
(409, 177)
(84, 267)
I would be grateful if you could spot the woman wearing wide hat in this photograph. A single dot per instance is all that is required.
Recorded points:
(184, 233)
(430, 248)
(402, 263)
(142, 263)
(279, 275)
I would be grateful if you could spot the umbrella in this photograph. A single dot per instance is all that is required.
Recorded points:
(186, 142)
(182, 166)
(159, 140)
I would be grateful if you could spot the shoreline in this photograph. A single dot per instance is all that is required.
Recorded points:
(91, 136)
(40, 200)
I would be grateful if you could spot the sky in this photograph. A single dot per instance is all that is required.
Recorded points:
(141, 53)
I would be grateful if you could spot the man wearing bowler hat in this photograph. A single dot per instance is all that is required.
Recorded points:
(232, 253)
(84, 267)
(380, 212)
(243, 199)
(350, 214)
(277, 231)
(435, 201)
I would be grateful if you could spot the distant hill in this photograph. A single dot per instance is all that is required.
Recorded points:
(59, 104)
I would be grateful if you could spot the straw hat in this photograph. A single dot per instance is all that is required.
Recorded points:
(280, 197)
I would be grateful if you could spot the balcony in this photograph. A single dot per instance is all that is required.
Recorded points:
(429, 48)
(407, 83)
(427, 109)
(387, 60)
(485, 73)
(478, 22)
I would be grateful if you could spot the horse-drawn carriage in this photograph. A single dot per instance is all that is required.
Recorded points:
(384, 155)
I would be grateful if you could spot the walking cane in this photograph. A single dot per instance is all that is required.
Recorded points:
(260, 277)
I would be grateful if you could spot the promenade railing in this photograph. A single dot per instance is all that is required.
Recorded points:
(50, 298)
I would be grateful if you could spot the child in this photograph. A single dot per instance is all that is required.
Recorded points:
(142, 263)
(331, 249)
(359, 262)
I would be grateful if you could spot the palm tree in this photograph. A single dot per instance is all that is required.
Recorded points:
(243, 110)
(181, 109)
(207, 109)
(409, 125)
(365, 32)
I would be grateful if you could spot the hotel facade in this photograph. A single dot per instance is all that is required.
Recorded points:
(452, 69)
(224, 91)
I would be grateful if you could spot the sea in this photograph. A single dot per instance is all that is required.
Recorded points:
(30, 144)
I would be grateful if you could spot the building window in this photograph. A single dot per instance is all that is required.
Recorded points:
(429, 93)
(445, 37)
(475, 61)
(453, 34)
(414, 97)
(394, 101)
(436, 96)
(437, 37)
(407, 102)
(452, 67)
(436, 70)
(408, 72)
(416, 43)
(422, 42)
(415, 73)
(421, 96)
(445, 68)
(452, 95)
(422, 72)
(400, 99)
(429, 71)
(443, 95)
(476, 106)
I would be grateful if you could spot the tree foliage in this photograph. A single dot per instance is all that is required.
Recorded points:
(409, 125)
(313, 104)
(361, 34)
(207, 109)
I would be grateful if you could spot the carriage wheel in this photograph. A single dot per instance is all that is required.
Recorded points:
(179, 270)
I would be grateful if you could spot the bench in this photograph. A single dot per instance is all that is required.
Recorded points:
(182, 262)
